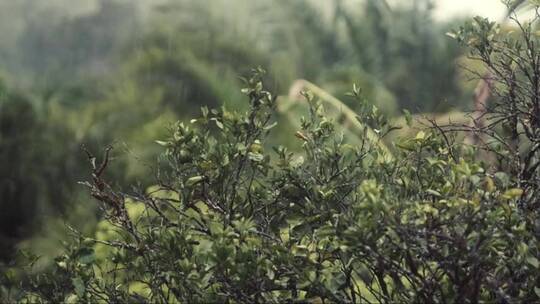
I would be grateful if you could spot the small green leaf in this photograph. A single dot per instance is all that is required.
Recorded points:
(271, 125)
(297, 162)
(408, 117)
(513, 193)
(162, 143)
(452, 35)
(219, 124)
(204, 111)
(434, 193)
(256, 157)
(407, 145)
(192, 181)
(71, 299)
(86, 256)
(78, 284)
(533, 261)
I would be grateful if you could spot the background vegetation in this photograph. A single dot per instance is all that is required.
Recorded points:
(110, 72)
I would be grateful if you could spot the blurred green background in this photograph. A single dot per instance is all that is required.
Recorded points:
(120, 72)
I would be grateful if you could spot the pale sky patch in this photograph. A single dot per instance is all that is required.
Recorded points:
(492, 9)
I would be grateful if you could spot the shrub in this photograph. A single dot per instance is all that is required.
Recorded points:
(231, 220)
(510, 124)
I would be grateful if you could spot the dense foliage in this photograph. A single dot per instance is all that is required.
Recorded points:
(231, 220)
(30, 169)
(234, 212)
(511, 125)
(114, 71)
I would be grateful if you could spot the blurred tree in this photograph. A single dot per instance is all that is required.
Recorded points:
(406, 49)
(36, 177)
(107, 75)
(57, 51)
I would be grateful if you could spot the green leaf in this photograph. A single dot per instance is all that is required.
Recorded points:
(71, 299)
(408, 117)
(421, 135)
(79, 286)
(271, 125)
(364, 274)
(533, 261)
(513, 193)
(256, 157)
(192, 181)
(219, 124)
(502, 178)
(86, 256)
(297, 162)
(452, 34)
(163, 143)
(407, 145)
(10, 274)
(434, 193)
(204, 111)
